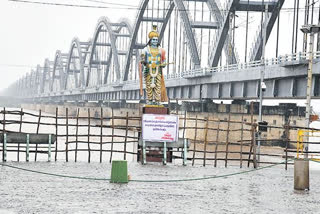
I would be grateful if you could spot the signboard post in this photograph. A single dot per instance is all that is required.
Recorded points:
(159, 128)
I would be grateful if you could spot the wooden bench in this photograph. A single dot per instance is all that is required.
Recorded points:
(13, 140)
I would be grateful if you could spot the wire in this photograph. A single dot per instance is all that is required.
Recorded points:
(16, 65)
(146, 181)
(70, 5)
(103, 2)
(125, 8)
(53, 174)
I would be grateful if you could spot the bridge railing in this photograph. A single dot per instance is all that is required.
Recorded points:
(296, 58)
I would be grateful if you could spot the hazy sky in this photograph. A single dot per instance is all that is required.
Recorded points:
(30, 32)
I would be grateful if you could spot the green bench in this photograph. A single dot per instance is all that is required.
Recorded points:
(14, 140)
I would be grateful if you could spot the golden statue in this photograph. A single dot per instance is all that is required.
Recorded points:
(153, 59)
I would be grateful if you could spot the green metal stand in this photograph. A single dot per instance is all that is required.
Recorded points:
(164, 153)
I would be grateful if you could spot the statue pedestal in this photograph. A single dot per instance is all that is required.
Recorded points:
(155, 109)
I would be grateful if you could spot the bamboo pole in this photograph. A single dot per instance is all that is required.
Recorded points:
(56, 150)
(195, 140)
(125, 139)
(4, 120)
(27, 148)
(77, 132)
(216, 148)
(227, 141)
(89, 152)
(49, 149)
(287, 142)
(67, 136)
(101, 130)
(112, 134)
(254, 146)
(4, 131)
(184, 126)
(251, 146)
(205, 143)
(20, 129)
(241, 142)
(38, 127)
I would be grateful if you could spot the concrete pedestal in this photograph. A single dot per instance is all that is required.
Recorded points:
(301, 174)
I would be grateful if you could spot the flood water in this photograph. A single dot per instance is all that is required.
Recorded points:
(268, 190)
(264, 191)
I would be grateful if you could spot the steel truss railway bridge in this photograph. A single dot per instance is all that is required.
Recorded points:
(200, 38)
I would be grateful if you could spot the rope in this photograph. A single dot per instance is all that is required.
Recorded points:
(145, 181)
(53, 174)
(209, 177)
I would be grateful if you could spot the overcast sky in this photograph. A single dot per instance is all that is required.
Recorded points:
(30, 32)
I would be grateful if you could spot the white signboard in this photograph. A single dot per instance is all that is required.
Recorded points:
(159, 127)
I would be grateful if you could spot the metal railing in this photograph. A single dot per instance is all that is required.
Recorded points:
(296, 58)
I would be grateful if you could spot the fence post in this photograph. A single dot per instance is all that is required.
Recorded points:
(195, 140)
(27, 149)
(164, 153)
(241, 141)
(227, 141)
(4, 129)
(56, 149)
(67, 136)
(49, 149)
(205, 142)
(217, 143)
(4, 147)
(254, 147)
(38, 127)
(112, 134)
(287, 142)
(143, 152)
(89, 125)
(252, 135)
(101, 130)
(185, 152)
(126, 137)
(77, 130)
(20, 129)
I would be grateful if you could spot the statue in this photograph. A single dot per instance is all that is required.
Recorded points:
(153, 59)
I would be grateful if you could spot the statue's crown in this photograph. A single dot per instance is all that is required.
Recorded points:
(154, 32)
